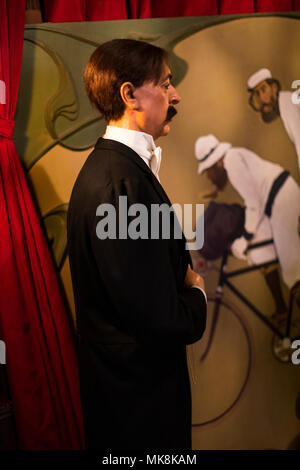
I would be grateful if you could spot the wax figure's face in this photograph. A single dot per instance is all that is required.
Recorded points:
(217, 175)
(265, 100)
(156, 105)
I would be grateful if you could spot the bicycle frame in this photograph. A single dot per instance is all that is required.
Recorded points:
(216, 301)
(223, 280)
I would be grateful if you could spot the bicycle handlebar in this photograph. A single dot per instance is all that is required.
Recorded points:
(255, 245)
(259, 244)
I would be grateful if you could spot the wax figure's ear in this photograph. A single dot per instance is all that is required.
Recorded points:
(127, 92)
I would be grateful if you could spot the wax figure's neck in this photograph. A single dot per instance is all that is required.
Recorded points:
(130, 121)
(141, 142)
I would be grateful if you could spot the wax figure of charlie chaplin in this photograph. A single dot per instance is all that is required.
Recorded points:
(138, 303)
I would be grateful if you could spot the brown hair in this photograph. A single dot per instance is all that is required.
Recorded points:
(118, 61)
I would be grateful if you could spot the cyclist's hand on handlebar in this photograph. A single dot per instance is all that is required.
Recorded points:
(193, 279)
(239, 248)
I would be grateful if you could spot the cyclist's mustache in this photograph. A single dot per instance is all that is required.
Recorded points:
(171, 113)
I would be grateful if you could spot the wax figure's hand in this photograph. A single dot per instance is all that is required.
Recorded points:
(193, 279)
(239, 248)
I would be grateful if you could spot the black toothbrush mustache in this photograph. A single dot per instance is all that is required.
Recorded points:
(171, 113)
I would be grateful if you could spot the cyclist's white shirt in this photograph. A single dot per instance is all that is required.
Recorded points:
(252, 177)
(290, 115)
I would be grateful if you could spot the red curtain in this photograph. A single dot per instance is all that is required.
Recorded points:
(139, 9)
(273, 5)
(97, 10)
(165, 8)
(60, 11)
(228, 7)
(40, 354)
(84, 10)
(232, 7)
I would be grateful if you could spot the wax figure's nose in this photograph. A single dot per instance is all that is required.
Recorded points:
(174, 96)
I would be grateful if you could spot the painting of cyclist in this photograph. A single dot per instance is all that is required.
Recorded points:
(267, 98)
(267, 190)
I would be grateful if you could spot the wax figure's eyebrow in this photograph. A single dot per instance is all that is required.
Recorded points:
(169, 76)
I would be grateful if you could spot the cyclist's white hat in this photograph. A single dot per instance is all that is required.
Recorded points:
(208, 150)
(257, 77)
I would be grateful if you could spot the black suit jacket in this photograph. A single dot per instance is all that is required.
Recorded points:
(134, 315)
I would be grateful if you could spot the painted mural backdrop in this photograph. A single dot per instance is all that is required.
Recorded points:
(237, 131)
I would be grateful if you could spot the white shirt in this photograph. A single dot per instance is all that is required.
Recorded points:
(143, 144)
(290, 115)
(252, 177)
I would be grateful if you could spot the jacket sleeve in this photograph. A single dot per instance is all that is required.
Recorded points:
(140, 277)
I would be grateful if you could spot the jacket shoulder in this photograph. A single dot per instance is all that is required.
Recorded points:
(106, 166)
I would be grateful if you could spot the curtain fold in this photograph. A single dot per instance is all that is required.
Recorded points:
(232, 7)
(138, 9)
(265, 6)
(99, 10)
(40, 353)
(60, 11)
(165, 8)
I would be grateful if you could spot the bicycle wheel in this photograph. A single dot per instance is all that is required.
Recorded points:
(222, 376)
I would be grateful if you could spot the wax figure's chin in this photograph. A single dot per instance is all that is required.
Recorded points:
(164, 130)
